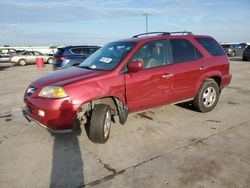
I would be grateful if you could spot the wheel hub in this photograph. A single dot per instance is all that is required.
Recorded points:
(107, 124)
(209, 97)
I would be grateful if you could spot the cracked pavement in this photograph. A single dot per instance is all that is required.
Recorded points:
(169, 146)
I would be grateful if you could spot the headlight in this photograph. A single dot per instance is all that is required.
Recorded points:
(53, 92)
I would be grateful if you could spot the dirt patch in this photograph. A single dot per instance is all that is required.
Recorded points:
(6, 116)
(213, 120)
(198, 169)
(146, 115)
(232, 103)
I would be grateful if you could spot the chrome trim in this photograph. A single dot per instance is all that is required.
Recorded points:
(30, 119)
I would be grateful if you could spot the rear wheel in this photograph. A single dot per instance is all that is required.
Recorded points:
(244, 59)
(22, 62)
(207, 97)
(100, 123)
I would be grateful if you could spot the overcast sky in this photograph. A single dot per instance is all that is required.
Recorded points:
(71, 22)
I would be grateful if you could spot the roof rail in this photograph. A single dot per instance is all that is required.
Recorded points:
(182, 32)
(164, 33)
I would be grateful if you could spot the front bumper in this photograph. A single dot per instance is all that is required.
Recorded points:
(59, 114)
(30, 119)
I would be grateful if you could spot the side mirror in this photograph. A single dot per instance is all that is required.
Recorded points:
(135, 66)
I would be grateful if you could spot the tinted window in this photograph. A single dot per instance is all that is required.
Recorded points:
(92, 50)
(59, 52)
(224, 45)
(83, 51)
(183, 51)
(151, 54)
(76, 51)
(211, 46)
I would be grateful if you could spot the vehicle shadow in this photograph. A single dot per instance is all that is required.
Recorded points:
(187, 105)
(4, 66)
(67, 164)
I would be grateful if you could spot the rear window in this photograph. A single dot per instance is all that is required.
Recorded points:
(225, 46)
(184, 51)
(59, 52)
(83, 51)
(213, 47)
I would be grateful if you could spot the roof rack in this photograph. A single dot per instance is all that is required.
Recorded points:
(164, 33)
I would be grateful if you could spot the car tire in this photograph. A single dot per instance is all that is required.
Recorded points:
(100, 123)
(50, 61)
(244, 59)
(22, 62)
(207, 96)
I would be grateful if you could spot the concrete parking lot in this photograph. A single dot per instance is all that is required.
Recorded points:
(170, 146)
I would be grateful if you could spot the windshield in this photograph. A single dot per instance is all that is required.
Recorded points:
(108, 57)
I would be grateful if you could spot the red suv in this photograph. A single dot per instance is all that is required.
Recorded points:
(126, 76)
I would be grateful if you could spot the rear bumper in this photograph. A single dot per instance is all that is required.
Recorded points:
(226, 79)
(30, 119)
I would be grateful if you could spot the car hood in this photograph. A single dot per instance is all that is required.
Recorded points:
(66, 76)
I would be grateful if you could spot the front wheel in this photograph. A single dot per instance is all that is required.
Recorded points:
(100, 123)
(22, 62)
(50, 61)
(207, 97)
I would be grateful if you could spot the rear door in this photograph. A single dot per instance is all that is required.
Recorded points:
(151, 86)
(187, 66)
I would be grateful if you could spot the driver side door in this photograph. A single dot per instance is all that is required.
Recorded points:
(151, 86)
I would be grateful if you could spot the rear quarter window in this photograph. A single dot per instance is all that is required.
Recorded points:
(212, 46)
(59, 52)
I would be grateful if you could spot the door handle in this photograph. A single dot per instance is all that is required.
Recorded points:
(166, 75)
(203, 68)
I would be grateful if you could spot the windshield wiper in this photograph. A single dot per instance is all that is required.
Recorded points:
(85, 67)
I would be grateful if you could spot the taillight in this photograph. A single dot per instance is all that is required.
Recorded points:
(60, 58)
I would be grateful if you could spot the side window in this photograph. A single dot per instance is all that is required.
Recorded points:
(84, 51)
(37, 53)
(92, 50)
(152, 54)
(27, 53)
(31, 53)
(211, 46)
(76, 51)
(184, 51)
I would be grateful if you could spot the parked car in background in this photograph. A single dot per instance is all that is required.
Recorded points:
(128, 76)
(29, 57)
(246, 54)
(69, 56)
(6, 53)
(234, 49)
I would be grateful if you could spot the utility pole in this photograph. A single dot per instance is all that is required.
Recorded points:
(146, 14)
